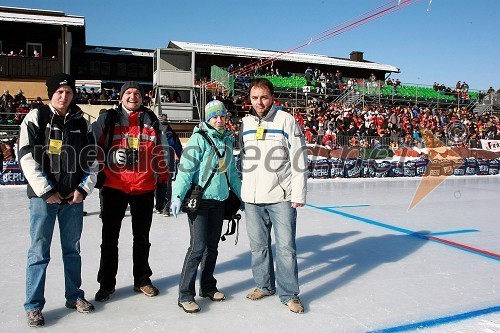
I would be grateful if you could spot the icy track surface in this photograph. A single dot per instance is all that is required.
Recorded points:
(366, 263)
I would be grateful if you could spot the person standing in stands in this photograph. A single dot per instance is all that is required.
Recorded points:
(56, 148)
(201, 165)
(133, 164)
(6, 98)
(172, 148)
(274, 185)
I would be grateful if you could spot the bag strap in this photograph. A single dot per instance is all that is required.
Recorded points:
(219, 155)
(209, 179)
(109, 128)
(204, 135)
(155, 123)
(233, 225)
(44, 114)
(44, 117)
(212, 143)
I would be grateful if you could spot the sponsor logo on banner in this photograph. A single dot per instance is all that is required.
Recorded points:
(12, 174)
(491, 145)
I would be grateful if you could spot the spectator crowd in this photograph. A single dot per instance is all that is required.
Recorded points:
(323, 120)
(13, 108)
(327, 122)
(335, 125)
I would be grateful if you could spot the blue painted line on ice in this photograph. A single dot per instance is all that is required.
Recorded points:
(453, 232)
(438, 321)
(348, 206)
(365, 220)
(420, 235)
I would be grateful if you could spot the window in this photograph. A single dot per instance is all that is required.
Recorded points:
(121, 69)
(175, 96)
(105, 68)
(95, 68)
(34, 49)
(132, 70)
(81, 68)
(144, 71)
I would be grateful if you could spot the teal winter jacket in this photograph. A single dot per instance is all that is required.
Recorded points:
(199, 159)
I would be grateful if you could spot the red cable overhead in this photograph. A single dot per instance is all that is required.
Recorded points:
(373, 14)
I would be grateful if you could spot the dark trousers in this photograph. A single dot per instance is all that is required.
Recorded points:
(114, 205)
(205, 231)
(163, 196)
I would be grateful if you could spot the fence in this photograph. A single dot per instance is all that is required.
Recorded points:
(364, 91)
(28, 66)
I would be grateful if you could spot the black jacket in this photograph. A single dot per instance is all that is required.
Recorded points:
(49, 169)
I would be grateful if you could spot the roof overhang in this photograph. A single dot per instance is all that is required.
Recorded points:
(119, 51)
(24, 15)
(283, 56)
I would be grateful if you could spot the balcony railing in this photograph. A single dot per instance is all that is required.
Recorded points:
(28, 66)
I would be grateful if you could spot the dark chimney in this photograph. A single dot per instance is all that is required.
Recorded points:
(356, 56)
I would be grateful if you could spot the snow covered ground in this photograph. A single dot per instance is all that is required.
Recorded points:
(366, 263)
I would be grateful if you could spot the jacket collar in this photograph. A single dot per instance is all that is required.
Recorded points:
(272, 111)
(74, 111)
(212, 131)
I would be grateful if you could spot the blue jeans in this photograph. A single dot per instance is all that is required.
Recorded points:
(205, 230)
(42, 222)
(259, 220)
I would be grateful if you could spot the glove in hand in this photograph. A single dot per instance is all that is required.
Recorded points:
(175, 206)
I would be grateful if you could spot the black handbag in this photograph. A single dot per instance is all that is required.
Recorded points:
(192, 199)
(231, 206)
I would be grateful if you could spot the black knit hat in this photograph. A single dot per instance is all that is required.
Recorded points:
(57, 80)
(132, 84)
(164, 119)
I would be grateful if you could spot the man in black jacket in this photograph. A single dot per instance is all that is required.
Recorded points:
(57, 156)
(172, 148)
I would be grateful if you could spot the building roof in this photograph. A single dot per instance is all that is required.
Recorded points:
(292, 56)
(39, 16)
(114, 51)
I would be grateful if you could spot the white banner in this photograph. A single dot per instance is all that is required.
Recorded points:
(491, 145)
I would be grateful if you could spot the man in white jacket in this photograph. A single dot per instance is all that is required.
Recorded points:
(273, 154)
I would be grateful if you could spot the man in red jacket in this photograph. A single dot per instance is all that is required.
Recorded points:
(133, 164)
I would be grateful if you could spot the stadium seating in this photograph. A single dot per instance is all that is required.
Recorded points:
(422, 93)
(286, 82)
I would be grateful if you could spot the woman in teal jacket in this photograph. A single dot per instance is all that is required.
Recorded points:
(197, 163)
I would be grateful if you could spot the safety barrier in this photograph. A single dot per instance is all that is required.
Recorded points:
(323, 168)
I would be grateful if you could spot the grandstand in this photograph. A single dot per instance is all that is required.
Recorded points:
(417, 94)
(370, 92)
(112, 66)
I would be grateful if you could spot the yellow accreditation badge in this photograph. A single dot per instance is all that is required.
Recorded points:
(133, 143)
(55, 146)
(222, 165)
(259, 135)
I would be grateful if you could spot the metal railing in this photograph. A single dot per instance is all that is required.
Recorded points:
(364, 91)
(28, 66)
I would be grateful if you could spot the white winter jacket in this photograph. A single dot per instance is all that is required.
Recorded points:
(274, 167)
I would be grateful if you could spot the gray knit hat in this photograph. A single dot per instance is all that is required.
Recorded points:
(131, 84)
